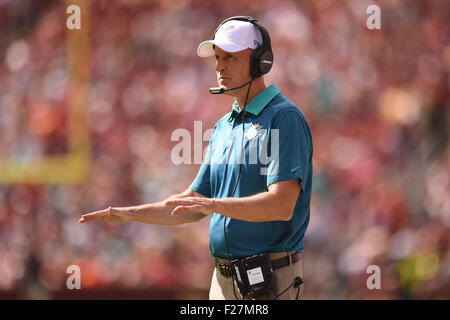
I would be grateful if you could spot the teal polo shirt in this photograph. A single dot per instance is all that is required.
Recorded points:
(277, 146)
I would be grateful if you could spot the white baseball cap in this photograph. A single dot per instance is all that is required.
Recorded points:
(232, 36)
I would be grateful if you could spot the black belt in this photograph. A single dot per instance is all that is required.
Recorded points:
(225, 270)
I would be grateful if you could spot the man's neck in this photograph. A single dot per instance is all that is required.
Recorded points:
(257, 86)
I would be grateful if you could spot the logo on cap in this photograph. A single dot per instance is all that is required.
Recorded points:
(227, 30)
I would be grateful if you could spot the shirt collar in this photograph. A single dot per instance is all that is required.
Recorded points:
(258, 103)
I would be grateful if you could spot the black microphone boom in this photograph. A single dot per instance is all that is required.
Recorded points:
(220, 90)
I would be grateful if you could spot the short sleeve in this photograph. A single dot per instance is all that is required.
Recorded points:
(292, 153)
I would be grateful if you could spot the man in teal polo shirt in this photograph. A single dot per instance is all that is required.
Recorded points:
(255, 180)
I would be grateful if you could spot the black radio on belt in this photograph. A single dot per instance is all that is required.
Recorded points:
(254, 275)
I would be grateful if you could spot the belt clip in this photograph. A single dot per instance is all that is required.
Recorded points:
(290, 258)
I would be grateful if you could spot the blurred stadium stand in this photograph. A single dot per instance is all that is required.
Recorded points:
(377, 102)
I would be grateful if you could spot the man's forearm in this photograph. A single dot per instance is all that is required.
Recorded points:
(261, 207)
(159, 213)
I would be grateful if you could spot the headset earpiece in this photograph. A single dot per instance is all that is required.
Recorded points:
(260, 62)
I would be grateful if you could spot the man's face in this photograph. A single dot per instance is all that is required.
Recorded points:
(232, 69)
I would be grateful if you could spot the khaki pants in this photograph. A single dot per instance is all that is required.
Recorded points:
(222, 287)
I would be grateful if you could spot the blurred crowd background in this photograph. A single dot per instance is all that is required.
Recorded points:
(377, 102)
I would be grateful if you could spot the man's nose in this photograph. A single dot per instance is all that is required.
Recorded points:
(220, 66)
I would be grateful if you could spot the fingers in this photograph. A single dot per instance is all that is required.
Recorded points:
(191, 209)
(98, 215)
(182, 201)
(185, 201)
(183, 205)
(191, 204)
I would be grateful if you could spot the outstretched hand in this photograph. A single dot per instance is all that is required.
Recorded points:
(110, 215)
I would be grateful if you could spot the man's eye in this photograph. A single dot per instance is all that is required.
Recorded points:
(227, 57)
